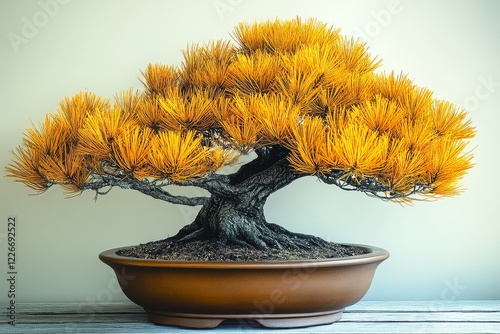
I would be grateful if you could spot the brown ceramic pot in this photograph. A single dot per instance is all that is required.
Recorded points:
(274, 294)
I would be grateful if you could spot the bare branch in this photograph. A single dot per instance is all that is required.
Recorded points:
(370, 186)
(152, 189)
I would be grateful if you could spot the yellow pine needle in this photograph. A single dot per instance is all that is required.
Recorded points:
(288, 36)
(219, 157)
(207, 66)
(391, 86)
(307, 148)
(344, 89)
(76, 108)
(359, 87)
(417, 135)
(180, 156)
(149, 113)
(445, 165)
(254, 73)
(128, 101)
(25, 168)
(417, 103)
(360, 151)
(221, 108)
(337, 118)
(66, 169)
(250, 37)
(100, 130)
(244, 133)
(282, 36)
(276, 117)
(49, 137)
(449, 120)
(403, 168)
(49, 157)
(130, 150)
(54, 140)
(191, 112)
(300, 88)
(159, 79)
(309, 67)
(355, 57)
(380, 115)
(323, 58)
(241, 125)
(331, 99)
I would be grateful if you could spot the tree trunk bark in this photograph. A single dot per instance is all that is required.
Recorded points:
(238, 218)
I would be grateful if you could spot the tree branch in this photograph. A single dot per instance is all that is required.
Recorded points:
(276, 176)
(253, 171)
(267, 173)
(214, 183)
(369, 185)
(152, 189)
(266, 157)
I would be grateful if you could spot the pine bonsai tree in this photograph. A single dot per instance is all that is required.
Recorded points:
(294, 95)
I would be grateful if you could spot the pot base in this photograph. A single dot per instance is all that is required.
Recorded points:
(188, 320)
(279, 294)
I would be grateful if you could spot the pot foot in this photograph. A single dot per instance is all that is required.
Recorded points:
(184, 320)
(265, 320)
(299, 320)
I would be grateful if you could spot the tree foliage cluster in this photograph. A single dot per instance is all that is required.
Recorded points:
(294, 88)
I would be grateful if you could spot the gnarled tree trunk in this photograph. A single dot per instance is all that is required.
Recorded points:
(234, 214)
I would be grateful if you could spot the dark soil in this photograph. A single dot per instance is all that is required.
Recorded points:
(209, 251)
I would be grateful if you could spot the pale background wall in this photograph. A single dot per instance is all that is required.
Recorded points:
(440, 251)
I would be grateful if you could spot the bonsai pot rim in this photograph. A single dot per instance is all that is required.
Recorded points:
(375, 254)
(275, 294)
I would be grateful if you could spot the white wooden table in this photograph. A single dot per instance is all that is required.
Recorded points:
(365, 317)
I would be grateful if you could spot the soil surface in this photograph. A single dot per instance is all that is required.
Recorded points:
(208, 251)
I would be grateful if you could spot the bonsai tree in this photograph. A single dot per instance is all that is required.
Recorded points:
(293, 96)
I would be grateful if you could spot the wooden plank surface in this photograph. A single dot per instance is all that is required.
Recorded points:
(365, 317)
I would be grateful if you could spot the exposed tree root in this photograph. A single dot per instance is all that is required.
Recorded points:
(261, 236)
(235, 216)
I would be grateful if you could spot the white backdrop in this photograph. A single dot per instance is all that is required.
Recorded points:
(50, 49)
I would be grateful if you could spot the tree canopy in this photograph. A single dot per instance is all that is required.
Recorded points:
(297, 90)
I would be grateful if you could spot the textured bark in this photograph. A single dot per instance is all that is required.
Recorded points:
(236, 216)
